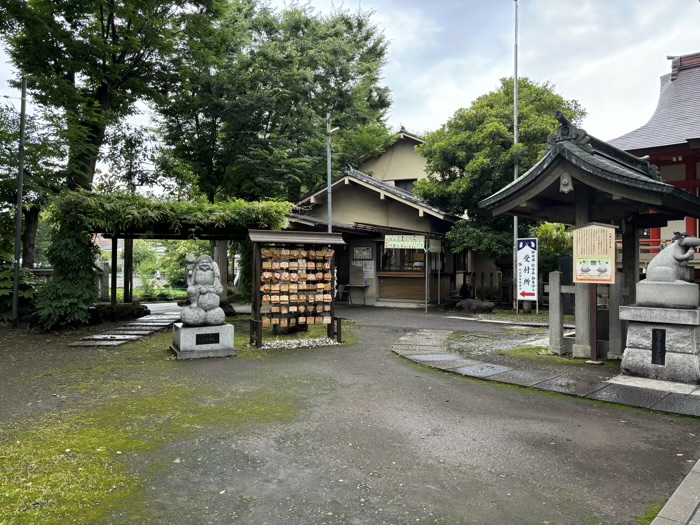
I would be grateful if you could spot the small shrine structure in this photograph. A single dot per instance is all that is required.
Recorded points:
(581, 180)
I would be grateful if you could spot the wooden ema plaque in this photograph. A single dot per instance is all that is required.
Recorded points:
(296, 287)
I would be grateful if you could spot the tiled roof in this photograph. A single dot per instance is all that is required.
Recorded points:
(605, 163)
(392, 191)
(677, 115)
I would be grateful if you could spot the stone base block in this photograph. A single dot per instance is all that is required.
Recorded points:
(645, 314)
(195, 342)
(581, 351)
(681, 368)
(679, 339)
(678, 294)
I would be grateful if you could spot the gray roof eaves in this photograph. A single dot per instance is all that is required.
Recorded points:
(676, 118)
(598, 165)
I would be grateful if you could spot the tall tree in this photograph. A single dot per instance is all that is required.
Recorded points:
(90, 60)
(246, 104)
(472, 156)
(43, 171)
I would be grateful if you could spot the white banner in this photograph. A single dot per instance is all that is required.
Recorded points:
(526, 272)
(404, 242)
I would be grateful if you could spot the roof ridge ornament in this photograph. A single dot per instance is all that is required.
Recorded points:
(567, 131)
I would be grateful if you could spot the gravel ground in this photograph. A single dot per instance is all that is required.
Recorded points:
(373, 438)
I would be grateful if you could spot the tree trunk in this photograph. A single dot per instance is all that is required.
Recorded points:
(31, 223)
(84, 153)
(82, 163)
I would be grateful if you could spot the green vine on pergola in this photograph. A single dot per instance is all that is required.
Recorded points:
(76, 217)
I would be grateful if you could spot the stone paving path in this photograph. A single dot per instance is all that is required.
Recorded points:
(131, 331)
(428, 347)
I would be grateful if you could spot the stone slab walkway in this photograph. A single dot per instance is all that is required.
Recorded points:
(428, 347)
(130, 331)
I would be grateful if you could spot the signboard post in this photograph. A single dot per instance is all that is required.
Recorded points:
(526, 272)
(594, 254)
(594, 263)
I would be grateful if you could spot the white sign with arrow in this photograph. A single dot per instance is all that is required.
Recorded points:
(527, 270)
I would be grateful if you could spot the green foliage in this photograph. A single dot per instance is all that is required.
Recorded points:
(124, 212)
(66, 300)
(89, 62)
(27, 289)
(554, 241)
(472, 156)
(245, 108)
(173, 260)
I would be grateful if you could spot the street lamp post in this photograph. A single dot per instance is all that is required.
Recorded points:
(329, 133)
(515, 166)
(18, 212)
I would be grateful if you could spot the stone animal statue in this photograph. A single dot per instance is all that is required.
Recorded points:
(203, 289)
(671, 264)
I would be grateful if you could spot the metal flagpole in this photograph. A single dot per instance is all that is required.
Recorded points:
(18, 216)
(515, 167)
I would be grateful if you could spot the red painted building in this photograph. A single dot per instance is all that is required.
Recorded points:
(671, 138)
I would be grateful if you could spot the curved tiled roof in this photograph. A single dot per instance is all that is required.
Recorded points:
(677, 115)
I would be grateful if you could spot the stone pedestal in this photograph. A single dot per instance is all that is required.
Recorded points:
(676, 294)
(194, 342)
(662, 343)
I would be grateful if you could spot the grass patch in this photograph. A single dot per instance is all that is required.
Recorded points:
(650, 514)
(543, 354)
(76, 466)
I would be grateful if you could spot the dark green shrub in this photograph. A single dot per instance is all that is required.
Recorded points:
(67, 299)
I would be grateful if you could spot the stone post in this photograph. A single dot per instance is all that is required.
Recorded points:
(556, 315)
(616, 343)
(104, 282)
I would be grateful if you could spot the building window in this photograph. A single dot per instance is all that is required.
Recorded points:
(396, 260)
(405, 185)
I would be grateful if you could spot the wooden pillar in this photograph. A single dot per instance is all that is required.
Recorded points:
(691, 175)
(630, 260)
(114, 272)
(616, 341)
(584, 305)
(128, 270)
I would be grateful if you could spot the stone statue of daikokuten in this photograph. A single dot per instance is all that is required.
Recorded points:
(203, 289)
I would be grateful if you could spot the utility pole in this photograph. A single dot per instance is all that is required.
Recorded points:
(515, 166)
(329, 133)
(18, 213)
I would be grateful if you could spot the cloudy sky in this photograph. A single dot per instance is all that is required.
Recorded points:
(607, 54)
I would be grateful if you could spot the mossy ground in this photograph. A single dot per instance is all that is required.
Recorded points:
(73, 463)
(532, 317)
(542, 353)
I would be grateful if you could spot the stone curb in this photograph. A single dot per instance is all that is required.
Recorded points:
(516, 323)
(682, 508)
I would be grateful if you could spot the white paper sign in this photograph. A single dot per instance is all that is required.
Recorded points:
(368, 269)
(527, 270)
